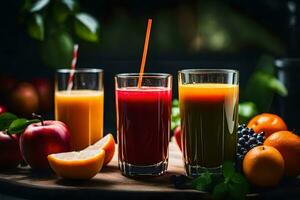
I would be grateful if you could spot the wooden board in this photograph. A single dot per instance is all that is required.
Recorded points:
(110, 184)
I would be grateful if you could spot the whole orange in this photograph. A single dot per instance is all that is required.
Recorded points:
(263, 166)
(288, 144)
(267, 123)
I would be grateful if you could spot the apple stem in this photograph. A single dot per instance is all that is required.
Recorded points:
(39, 117)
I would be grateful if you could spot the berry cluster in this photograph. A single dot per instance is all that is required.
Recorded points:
(247, 139)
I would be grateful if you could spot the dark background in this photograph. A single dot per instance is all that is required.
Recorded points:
(185, 34)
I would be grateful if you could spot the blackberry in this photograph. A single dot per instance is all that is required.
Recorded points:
(247, 139)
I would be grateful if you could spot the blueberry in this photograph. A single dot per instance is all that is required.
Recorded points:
(254, 135)
(246, 137)
(262, 133)
(240, 157)
(259, 143)
(252, 140)
(239, 146)
(252, 146)
(240, 134)
(244, 130)
(260, 138)
(246, 145)
(244, 152)
(241, 141)
(241, 127)
(243, 149)
(251, 131)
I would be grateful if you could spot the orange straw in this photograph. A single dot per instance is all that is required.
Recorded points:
(145, 53)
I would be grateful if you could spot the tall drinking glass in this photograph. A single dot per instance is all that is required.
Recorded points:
(81, 108)
(143, 123)
(208, 101)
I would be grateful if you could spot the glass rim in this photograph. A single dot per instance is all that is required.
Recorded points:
(209, 71)
(79, 70)
(145, 75)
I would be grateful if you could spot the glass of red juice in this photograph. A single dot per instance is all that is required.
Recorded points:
(208, 100)
(143, 123)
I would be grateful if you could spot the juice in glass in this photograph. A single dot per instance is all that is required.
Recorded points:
(81, 108)
(82, 111)
(143, 124)
(208, 122)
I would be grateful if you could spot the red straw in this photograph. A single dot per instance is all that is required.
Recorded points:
(73, 65)
(145, 52)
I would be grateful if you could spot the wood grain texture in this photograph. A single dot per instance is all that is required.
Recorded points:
(110, 184)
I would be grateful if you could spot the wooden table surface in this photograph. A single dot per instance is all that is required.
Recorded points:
(110, 184)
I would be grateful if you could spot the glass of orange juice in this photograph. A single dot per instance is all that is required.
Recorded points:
(80, 107)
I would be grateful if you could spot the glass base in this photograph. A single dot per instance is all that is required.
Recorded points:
(148, 170)
(196, 170)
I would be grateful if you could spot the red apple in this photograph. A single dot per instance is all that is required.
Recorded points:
(10, 155)
(41, 139)
(24, 99)
(177, 135)
(2, 109)
(45, 92)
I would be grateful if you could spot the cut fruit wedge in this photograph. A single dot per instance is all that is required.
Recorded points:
(108, 145)
(82, 165)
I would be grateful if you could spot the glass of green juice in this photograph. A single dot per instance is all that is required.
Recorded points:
(208, 100)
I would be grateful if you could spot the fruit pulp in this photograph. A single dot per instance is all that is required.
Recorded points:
(208, 123)
(143, 124)
(82, 111)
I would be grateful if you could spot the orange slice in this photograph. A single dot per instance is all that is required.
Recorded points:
(108, 145)
(83, 165)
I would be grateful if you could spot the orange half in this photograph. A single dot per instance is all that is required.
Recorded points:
(107, 143)
(82, 165)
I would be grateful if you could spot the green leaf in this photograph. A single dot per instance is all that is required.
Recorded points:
(87, 27)
(26, 5)
(71, 5)
(63, 9)
(266, 64)
(238, 187)
(6, 119)
(56, 50)
(220, 191)
(202, 182)
(228, 169)
(35, 27)
(247, 110)
(278, 87)
(175, 111)
(175, 114)
(39, 5)
(175, 103)
(19, 125)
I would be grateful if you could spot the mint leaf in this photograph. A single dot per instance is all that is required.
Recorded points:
(19, 125)
(220, 191)
(203, 182)
(228, 169)
(6, 119)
